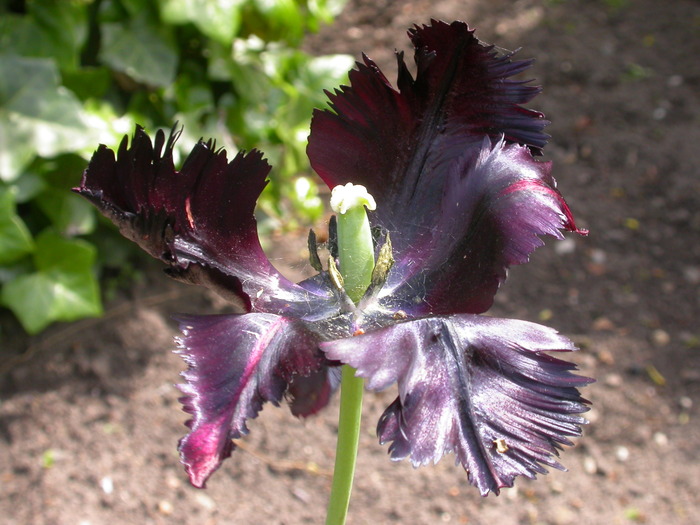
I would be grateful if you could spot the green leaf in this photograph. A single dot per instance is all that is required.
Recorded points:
(70, 214)
(13, 270)
(88, 82)
(15, 239)
(306, 199)
(106, 125)
(62, 289)
(323, 11)
(220, 20)
(279, 20)
(54, 252)
(193, 97)
(140, 49)
(65, 26)
(28, 186)
(324, 71)
(51, 29)
(19, 34)
(37, 115)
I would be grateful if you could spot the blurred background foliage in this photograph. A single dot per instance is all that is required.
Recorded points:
(77, 73)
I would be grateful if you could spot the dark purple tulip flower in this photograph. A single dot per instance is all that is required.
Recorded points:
(448, 157)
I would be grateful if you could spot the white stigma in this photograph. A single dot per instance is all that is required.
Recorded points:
(350, 196)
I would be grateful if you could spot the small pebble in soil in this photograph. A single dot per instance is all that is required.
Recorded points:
(603, 324)
(165, 507)
(172, 481)
(622, 453)
(692, 274)
(614, 380)
(556, 487)
(674, 81)
(565, 247)
(660, 337)
(589, 465)
(606, 357)
(205, 501)
(301, 494)
(107, 485)
(661, 439)
(598, 256)
(659, 113)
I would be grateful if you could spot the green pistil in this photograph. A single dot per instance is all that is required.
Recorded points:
(355, 246)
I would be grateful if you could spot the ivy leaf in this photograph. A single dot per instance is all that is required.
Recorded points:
(15, 239)
(49, 29)
(37, 115)
(219, 20)
(323, 11)
(280, 20)
(69, 214)
(88, 82)
(63, 287)
(28, 186)
(140, 50)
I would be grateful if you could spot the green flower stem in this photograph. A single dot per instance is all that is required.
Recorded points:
(351, 389)
(356, 254)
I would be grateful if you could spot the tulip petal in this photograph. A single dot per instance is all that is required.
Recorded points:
(448, 129)
(237, 363)
(200, 220)
(476, 386)
(491, 216)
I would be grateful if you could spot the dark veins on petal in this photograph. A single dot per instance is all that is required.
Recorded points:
(200, 220)
(476, 386)
(427, 153)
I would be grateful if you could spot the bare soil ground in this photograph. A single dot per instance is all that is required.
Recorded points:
(89, 418)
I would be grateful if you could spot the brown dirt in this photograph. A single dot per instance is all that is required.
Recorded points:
(89, 419)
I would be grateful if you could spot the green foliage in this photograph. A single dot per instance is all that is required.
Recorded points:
(61, 287)
(15, 239)
(77, 73)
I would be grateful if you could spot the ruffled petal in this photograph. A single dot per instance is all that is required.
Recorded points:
(383, 138)
(200, 220)
(237, 363)
(446, 130)
(476, 386)
(491, 216)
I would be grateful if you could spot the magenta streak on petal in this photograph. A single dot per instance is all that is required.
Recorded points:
(205, 440)
(537, 186)
(205, 446)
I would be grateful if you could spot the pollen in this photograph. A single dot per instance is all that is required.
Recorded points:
(501, 446)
